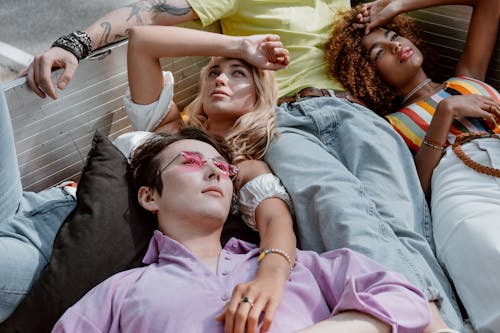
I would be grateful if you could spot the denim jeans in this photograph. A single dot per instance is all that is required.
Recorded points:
(28, 223)
(353, 184)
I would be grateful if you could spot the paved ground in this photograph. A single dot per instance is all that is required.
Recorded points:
(32, 25)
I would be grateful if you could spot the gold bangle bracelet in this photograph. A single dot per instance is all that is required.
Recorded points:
(439, 147)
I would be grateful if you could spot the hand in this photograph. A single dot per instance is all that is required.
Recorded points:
(265, 52)
(39, 71)
(377, 13)
(476, 106)
(265, 295)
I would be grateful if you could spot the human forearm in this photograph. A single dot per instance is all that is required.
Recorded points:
(114, 25)
(147, 44)
(381, 12)
(266, 290)
(111, 27)
(350, 321)
(403, 6)
(481, 38)
(263, 51)
(276, 232)
(429, 154)
(160, 41)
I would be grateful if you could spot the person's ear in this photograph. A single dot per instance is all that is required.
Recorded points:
(147, 199)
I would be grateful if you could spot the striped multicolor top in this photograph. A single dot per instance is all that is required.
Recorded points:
(412, 121)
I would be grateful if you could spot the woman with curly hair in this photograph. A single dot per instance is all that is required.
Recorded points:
(451, 127)
(237, 100)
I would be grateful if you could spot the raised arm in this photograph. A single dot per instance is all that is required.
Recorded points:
(275, 226)
(483, 29)
(380, 12)
(148, 44)
(110, 28)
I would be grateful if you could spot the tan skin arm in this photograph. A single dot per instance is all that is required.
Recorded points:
(483, 29)
(275, 226)
(459, 106)
(428, 158)
(114, 26)
(380, 12)
(110, 28)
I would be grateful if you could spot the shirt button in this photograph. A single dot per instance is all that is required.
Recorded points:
(225, 298)
(225, 273)
(227, 258)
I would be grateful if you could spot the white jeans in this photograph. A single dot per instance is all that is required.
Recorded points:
(465, 209)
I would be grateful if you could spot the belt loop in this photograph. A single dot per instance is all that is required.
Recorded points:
(297, 96)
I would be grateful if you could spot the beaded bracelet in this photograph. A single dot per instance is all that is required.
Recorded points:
(432, 144)
(77, 42)
(282, 253)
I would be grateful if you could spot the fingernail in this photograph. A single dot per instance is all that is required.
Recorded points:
(62, 85)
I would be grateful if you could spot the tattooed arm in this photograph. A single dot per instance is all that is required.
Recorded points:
(114, 25)
(110, 28)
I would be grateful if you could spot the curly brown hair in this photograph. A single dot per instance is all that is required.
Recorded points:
(350, 64)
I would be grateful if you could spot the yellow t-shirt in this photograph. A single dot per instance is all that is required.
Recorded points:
(303, 25)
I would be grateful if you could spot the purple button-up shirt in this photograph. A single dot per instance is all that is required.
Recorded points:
(178, 293)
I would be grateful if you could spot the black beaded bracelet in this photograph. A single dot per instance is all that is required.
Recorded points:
(77, 42)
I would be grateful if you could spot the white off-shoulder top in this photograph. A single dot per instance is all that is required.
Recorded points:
(257, 190)
(146, 117)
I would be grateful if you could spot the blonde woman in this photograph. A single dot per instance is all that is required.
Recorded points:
(236, 101)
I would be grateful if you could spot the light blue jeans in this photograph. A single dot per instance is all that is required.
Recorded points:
(353, 184)
(28, 223)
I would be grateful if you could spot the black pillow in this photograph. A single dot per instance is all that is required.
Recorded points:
(108, 232)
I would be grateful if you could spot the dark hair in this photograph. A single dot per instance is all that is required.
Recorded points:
(350, 64)
(145, 163)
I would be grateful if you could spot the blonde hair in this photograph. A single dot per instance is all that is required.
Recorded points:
(251, 134)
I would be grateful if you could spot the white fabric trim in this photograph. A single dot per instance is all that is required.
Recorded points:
(257, 190)
(148, 117)
(127, 142)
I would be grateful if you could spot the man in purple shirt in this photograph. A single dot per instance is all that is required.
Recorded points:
(185, 180)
